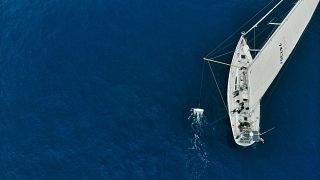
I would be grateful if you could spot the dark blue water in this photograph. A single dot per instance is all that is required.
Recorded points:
(102, 90)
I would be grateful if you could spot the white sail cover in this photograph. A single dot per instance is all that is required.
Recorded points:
(277, 49)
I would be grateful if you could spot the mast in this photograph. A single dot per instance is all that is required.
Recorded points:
(256, 25)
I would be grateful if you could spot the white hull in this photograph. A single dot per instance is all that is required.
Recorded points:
(244, 120)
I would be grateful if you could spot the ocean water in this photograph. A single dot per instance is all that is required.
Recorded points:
(101, 89)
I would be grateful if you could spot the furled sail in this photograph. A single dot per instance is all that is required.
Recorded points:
(277, 49)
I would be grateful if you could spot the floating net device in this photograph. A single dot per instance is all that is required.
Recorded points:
(197, 112)
(198, 120)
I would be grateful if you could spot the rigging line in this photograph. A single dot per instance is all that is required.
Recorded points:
(267, 131)
(282, 15)
(250, 41)
(259, 34)
(267, 39)
(225, 47)
(278, 28)
(200, 91)
(234, 42)
(218, 120)
(239, 29)
(270, 33)
(215, 80)
(222, 55)
(218, 62)
(254, 26)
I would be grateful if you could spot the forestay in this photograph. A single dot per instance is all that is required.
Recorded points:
(277, 49)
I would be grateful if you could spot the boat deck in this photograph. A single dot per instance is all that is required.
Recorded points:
(244, 119)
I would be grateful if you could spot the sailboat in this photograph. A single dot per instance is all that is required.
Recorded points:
(250, 78)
